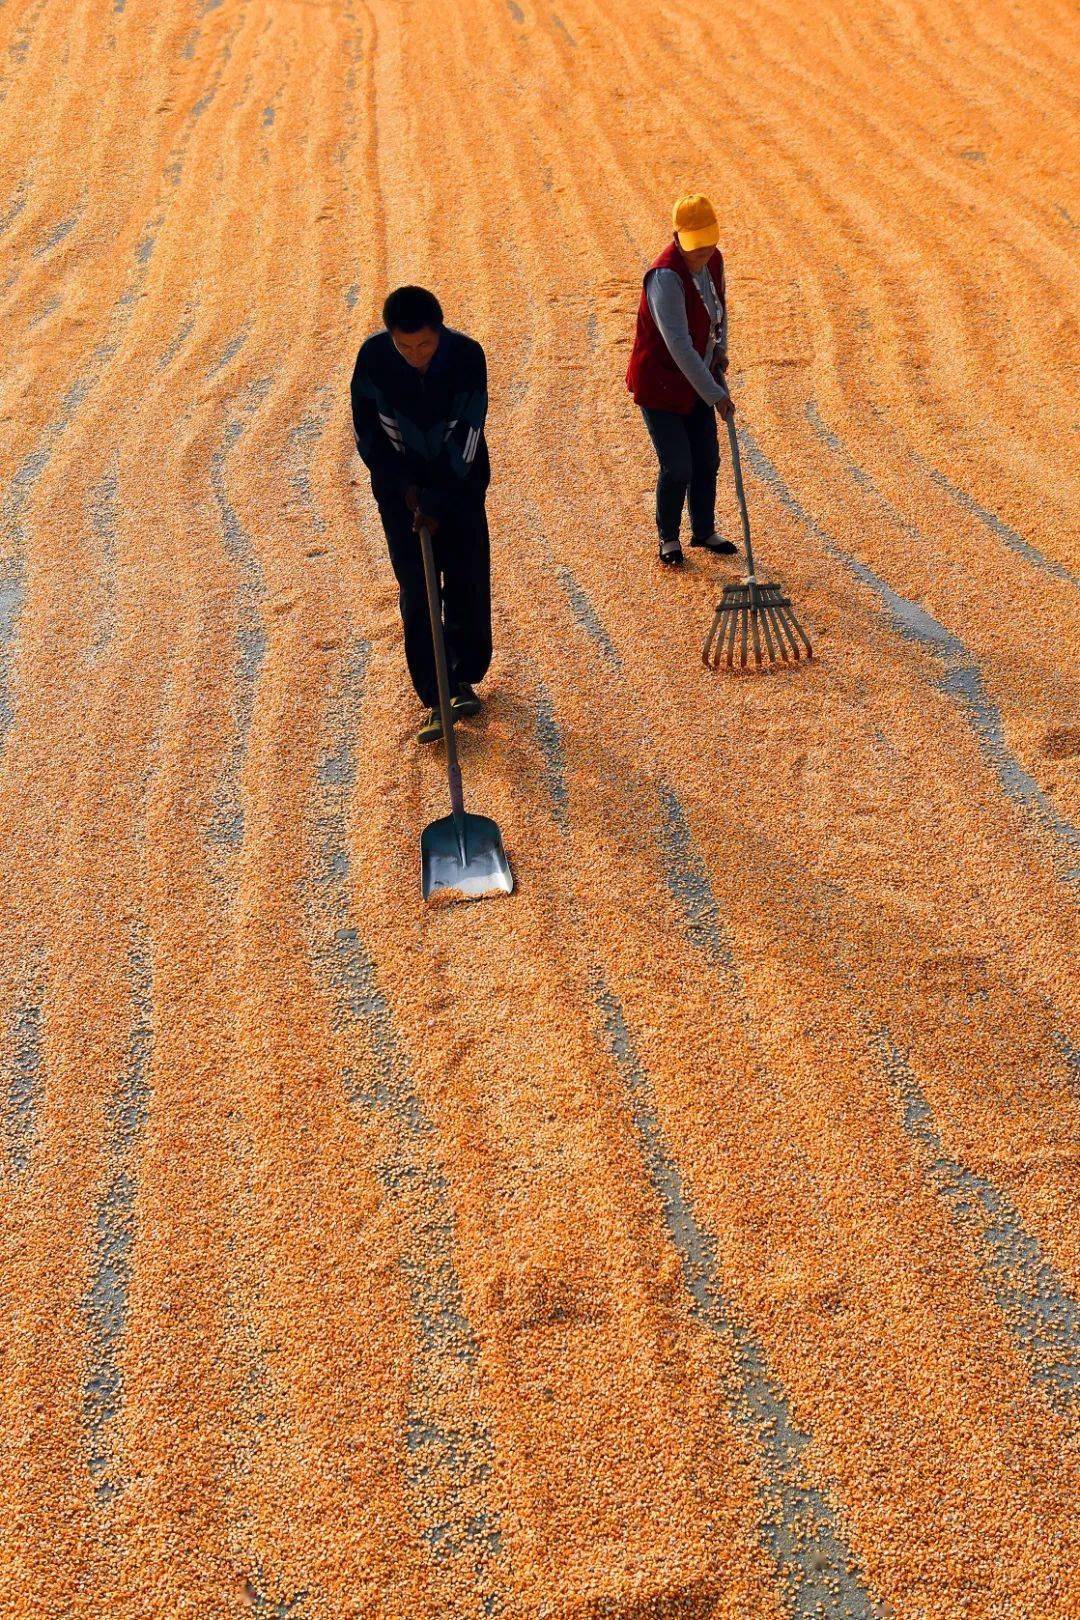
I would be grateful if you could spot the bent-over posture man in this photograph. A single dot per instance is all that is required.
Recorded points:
(419, 400)
(676, 374)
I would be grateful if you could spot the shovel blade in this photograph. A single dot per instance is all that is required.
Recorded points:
(484, 869)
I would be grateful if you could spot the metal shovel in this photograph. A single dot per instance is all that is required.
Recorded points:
(459, 854)
(746, 612)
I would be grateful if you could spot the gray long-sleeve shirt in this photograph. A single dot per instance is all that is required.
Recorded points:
(667, 304)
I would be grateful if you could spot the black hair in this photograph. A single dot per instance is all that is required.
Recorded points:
(411, 308)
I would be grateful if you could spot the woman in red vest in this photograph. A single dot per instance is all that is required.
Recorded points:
(676, 375)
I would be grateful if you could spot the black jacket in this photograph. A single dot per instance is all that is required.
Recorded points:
(422, 428)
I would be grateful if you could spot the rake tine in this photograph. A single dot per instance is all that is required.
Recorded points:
(779, 631)
(755, 614)
(800, 632)
(769, 623)
(706, 651)
(744, 617)
(795, 628)
(765, 613)
(722, 645)
(783, 632)
(776, 603)
(731, 629)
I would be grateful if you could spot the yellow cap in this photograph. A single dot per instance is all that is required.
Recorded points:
(694, 219)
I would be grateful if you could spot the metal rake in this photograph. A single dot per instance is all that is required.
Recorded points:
(751, 613)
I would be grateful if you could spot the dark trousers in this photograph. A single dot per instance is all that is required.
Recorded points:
(463, 563)
(689, 456)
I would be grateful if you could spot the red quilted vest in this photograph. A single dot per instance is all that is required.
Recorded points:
(652, 375)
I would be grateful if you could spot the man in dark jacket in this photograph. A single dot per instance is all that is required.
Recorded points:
(419, 401)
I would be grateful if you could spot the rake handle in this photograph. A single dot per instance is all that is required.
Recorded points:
(736, 463)
(434, 597)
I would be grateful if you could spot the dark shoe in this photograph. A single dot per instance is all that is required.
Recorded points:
(431, 730)
(464, 701)
(671, 553)
(713, 542)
